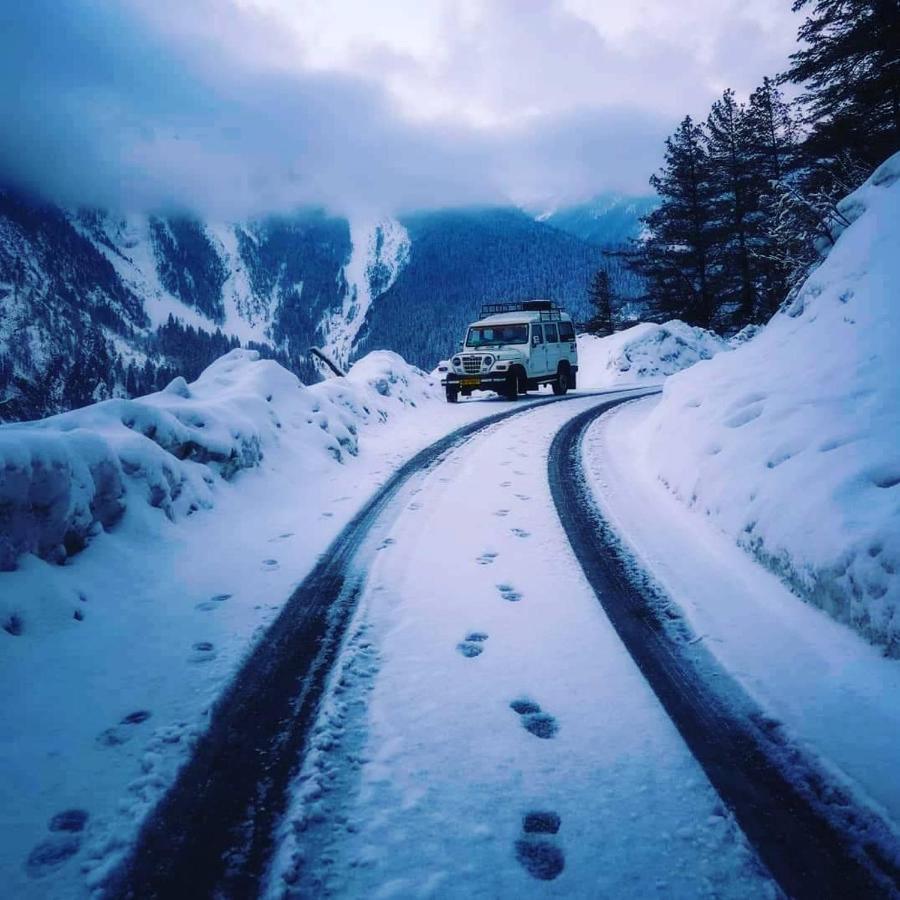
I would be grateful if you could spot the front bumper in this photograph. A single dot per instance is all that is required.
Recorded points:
(487, 381)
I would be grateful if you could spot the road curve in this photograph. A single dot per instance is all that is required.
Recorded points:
(806, 831)
(211, 834)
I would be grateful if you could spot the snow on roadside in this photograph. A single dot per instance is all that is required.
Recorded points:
(113, 659)
(646, 353)
(790, 442)
(67, 478)
(821, 685)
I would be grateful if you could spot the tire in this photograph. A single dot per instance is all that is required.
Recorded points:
(452, 395)
(511, 389)
(561, 384)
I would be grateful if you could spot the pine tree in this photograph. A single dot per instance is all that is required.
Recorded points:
(780, 249)
(676, 256)
(728, 147)
(600, 296)
(849, 65)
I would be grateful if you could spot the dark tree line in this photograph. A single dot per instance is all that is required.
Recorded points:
(98, 372)
(749, 197)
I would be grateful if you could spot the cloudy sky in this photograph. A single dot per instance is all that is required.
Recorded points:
(238, 107)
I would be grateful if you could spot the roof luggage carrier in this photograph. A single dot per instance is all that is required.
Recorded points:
(548, 312)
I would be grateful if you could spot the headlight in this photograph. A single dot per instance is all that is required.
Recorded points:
(488, 361)
(457, 362)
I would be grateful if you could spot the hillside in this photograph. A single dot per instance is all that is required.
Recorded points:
(789, 443)
(608, 220)
(462, 259)
(95, 305)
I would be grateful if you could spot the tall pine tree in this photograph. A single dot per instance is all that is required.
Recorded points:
(600, 295)
(734, 205)
(849, 66)
(676, 256)
(780, 251)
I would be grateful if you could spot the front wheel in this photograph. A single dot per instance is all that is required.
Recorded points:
(561, 385)
(511, 389)
(452, 395)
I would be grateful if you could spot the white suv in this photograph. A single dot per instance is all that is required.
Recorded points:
(514, 348)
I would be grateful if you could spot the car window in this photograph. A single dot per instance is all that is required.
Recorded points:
(566, 332)
(550, 334)
(536, 332)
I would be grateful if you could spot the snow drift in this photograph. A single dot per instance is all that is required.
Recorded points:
(791, 442)
(65, 479)
(645, 352)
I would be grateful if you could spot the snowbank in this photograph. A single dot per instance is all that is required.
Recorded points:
(645, 352)
(65, 479)
(791, 442)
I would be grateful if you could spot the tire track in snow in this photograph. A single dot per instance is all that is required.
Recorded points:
(212, 833)
(809, 835)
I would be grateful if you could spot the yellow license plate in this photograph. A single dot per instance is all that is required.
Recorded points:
(470, 382)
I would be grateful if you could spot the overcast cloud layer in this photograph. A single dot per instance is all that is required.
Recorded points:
(239, 107)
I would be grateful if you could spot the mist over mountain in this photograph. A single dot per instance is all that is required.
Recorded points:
(608, 220)
(95, 304)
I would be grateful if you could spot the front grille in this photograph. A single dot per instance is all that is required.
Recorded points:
(471, 364)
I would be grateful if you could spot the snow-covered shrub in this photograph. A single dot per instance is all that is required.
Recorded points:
(66, 478)
(644, 352)
(791, 442)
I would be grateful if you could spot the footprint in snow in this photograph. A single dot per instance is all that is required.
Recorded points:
(502, 513)
(203, 651)
(213, 602)
(122, 733)
(281, 537)
(472, 645)
(508, 592)
(505, 484)
(387, 542)
(537, 850)
(534, 720)
(520, 532)
(522, 497)
(270, 565)
(51, 853)
(71, 820)
(415, 506)
(486, 558)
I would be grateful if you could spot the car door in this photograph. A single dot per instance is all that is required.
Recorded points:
(567, 347)
(538, 360)
(551, 342)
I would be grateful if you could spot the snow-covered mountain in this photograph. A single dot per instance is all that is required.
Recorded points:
(608, 220)
(95, 305)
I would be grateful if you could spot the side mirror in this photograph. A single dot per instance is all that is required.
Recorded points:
(460, 346)
(535, 340)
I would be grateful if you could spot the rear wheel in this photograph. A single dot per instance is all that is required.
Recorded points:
(561, 385)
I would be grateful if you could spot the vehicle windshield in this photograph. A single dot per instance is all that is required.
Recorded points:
(497, 335)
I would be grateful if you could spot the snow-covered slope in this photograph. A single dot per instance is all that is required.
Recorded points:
(66, 479)
(379, 253)
(643, 353)
(607, 219)
(791, 443)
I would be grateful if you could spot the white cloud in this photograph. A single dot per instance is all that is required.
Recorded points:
(238, 106)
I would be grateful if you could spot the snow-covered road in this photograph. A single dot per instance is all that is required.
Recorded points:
(486, 733)
(469, 721)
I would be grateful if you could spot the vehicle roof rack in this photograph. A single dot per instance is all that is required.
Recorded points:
(547, 309)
